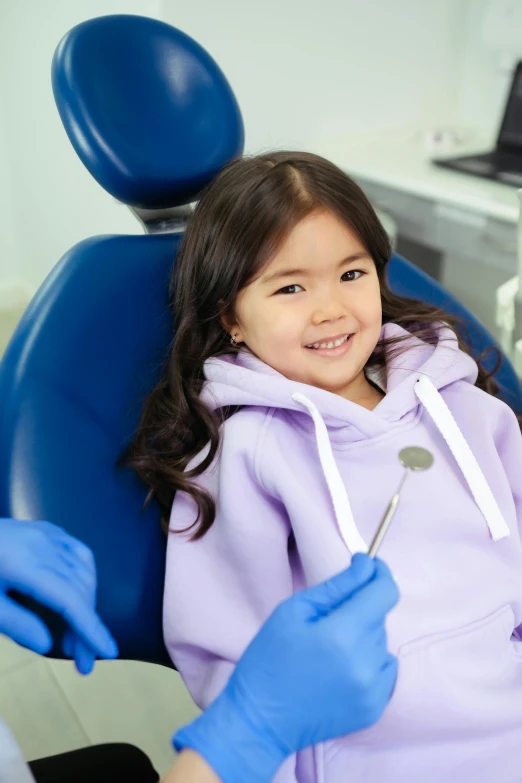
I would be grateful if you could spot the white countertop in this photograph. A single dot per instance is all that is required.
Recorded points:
(403, 163)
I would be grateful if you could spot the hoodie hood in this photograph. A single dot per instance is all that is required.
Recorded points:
(413, 376)
(243, 379)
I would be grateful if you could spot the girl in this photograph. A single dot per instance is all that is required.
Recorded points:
(295, 378)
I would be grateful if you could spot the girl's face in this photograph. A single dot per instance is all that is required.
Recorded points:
(320, 288)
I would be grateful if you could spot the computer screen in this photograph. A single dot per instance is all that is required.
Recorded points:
(511, 131)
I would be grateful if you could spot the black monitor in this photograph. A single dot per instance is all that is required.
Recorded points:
(510, 135)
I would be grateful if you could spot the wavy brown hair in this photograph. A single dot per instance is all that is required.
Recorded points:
(242, 218)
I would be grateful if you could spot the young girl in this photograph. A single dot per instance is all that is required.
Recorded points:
(295, 378)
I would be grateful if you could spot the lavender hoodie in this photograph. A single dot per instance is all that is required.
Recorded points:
(301, 484)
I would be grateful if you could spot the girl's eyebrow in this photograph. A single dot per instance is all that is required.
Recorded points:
(284, 273)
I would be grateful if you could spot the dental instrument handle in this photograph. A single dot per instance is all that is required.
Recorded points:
(386, 520)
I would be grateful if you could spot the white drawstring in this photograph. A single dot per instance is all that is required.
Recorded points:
(434, 403)
(341, 503)
(466, 460)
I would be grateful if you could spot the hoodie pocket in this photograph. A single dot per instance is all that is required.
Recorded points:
(455, 685)
(456, 713)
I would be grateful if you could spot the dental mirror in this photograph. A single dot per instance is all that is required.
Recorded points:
(413, 458)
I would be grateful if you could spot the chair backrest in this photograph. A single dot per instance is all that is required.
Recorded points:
(86, 352)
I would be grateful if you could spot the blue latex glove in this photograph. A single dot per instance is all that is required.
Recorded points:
(318, 669)
(44, 562)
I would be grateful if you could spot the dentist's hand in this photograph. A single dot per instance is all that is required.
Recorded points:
(43, 562)
(318, 669)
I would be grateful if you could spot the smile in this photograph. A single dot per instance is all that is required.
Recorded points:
(331, 344)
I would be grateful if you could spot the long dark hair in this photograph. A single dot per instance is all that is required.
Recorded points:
(242, 218)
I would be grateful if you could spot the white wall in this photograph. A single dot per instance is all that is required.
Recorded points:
(304, 71)
(486, 66)
(9, 246)
(52, 200)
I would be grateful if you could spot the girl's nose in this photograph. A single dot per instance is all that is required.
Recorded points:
(328, 308)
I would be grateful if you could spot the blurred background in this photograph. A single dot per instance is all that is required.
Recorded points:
(378, 87)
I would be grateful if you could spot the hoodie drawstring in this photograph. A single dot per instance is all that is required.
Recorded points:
(466, 460)
(341, 502)
(443, 419)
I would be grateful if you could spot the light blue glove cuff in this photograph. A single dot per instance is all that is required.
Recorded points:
(231, 743)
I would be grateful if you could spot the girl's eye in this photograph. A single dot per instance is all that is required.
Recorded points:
(289, 289)
(348, 277)
(353, 274)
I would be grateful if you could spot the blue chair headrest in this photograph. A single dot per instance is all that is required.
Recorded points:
(147, 109)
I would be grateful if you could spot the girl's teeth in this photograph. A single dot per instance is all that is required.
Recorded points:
(335, 344)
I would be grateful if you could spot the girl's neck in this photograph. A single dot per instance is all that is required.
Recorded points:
(361, 391)
(364, 393)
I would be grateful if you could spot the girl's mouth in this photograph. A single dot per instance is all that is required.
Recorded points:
(332, 348)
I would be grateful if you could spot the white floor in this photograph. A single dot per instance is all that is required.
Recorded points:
(52, 709)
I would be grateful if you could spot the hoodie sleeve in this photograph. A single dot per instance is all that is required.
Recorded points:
(220, 589)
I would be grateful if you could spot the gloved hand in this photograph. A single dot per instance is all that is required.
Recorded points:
(318, 669)
(42, 561)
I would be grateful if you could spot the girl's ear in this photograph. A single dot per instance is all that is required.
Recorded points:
(229, 325)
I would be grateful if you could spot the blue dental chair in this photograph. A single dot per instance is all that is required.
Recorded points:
(153, 119)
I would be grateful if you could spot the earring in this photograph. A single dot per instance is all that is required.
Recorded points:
(233, 339)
